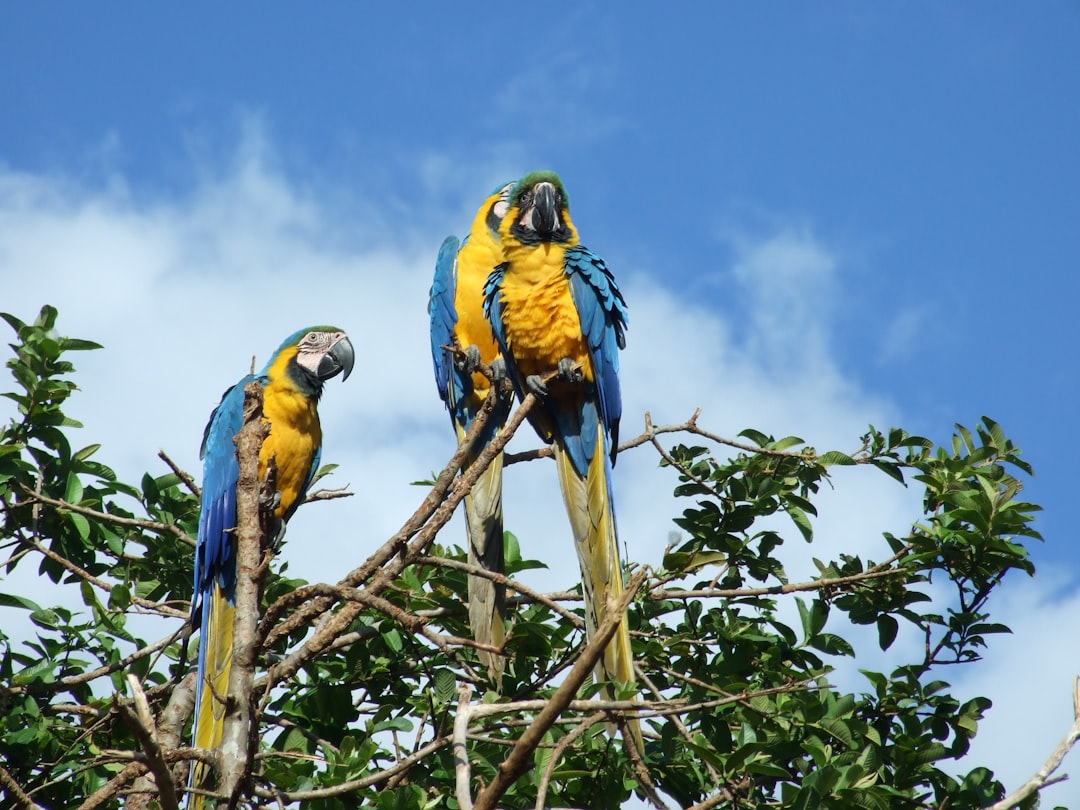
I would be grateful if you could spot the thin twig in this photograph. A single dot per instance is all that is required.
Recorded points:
(328, 494)
(772, 590)
(502, 579)
(189, 482)
(117, 520)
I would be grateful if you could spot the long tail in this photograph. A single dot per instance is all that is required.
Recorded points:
(484, 527)
(215, 662)
(590, 505)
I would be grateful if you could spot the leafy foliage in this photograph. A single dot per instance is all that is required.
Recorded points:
(739, 710)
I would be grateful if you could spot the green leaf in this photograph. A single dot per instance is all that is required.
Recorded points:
(835, 457)
(16, 601)
(756, 436)
(785, 443)
(801, 521)
(887, 628)
(74, 491)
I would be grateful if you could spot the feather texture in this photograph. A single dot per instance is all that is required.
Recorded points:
(554, 307)
(456, 311)
(292, 383)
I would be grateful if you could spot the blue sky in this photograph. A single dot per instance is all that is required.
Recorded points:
(821, 214)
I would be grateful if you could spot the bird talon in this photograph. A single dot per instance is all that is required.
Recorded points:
(535, 383)
(498, 370)
(569, 370)
(278, 538)
(271, 502)
(470, 362)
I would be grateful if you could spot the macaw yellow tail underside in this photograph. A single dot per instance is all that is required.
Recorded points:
(217, 636)
(592, 519)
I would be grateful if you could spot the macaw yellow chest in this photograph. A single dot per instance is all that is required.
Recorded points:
(295, 435)
(539, 315)
(476, 260)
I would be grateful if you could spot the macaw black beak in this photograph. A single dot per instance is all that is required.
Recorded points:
(547, 211)
(341, 357)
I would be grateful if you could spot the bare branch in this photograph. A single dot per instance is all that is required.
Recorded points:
(141, 722)
(462, 777)
(1042, 777)
(107, 792)
(238, 735)
(328, 494)
(189, 482)
(390, 560)
(16, 793)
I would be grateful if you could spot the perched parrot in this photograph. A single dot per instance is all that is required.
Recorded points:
(292, 383)
(456, 308)
(554, 306)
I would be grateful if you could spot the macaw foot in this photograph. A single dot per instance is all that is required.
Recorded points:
(469, 360)
(271, 502)
(278, 537)
(535, 383)
(569, 370)
(498, 371)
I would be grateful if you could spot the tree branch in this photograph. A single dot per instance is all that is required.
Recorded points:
(383, 567)
(189, 482)
(141, 722)
(21, 800)
(116, 520)
(1041, 777)
(239, 733)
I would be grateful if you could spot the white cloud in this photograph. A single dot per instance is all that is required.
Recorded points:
(182, 290)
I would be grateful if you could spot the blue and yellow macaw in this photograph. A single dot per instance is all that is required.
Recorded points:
(292, 383)
(456, 308)
(554, 306)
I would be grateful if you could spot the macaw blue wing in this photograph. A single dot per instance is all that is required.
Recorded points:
(443, 316)
(493, 311)
(603, 314)
(215, 555)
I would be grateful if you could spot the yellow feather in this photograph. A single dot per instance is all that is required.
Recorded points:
(592, 521)
(219, 654)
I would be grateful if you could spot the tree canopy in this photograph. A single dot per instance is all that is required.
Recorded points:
(369, 691)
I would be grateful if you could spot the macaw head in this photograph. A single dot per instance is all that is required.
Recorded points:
(314, 355)
(496, 206)
(540, 210)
